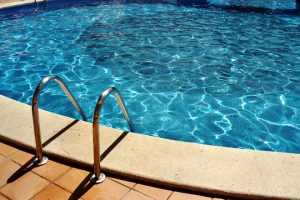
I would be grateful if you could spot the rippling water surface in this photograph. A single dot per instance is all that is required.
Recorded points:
(196, 74)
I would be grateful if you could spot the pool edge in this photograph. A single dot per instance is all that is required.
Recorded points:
(194, 167)
(18, 3)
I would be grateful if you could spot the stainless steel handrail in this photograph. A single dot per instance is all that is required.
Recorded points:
(99, 177)
(35, 113)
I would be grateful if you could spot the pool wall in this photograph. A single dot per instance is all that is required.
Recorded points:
(210, 169)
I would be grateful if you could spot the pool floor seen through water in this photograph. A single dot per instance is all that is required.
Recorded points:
(199, 74)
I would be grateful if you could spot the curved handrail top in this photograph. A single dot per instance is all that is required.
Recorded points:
(100, 102)
(63, 86)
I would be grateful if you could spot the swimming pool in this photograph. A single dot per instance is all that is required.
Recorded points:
(194, 73)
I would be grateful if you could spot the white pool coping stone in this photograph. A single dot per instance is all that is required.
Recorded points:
(195, 167)
(17, 3)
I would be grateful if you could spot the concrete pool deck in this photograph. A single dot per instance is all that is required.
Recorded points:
(210, 169)
(13, 3)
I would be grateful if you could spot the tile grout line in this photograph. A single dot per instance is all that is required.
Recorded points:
(9, 157)
(62, 174)
(23, 175)
(40, 191)
(57, 186)
(41, 175)
(121, 183)
(67, 190)
(29, 171)
(50, 182)
(170, 195)
(3, 155)
(72, 192)
(11, 153)
(145, 194)
(19, 150)
(125, 194)
(42, 178)
(5, 196)
(6, 180)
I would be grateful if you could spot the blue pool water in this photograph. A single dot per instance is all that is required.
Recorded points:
(187, 72)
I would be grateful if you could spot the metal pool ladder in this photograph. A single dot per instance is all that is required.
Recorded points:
(41, 160)
(99, 177)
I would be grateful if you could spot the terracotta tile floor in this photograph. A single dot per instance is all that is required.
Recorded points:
(19, 179)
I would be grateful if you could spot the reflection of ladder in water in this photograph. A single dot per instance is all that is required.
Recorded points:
(40, 1)
(36, 1)
(98, 177)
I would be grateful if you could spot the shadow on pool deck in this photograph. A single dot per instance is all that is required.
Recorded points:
(60, 181)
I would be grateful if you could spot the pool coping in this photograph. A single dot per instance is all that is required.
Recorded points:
(18, 3)
(195, 167)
